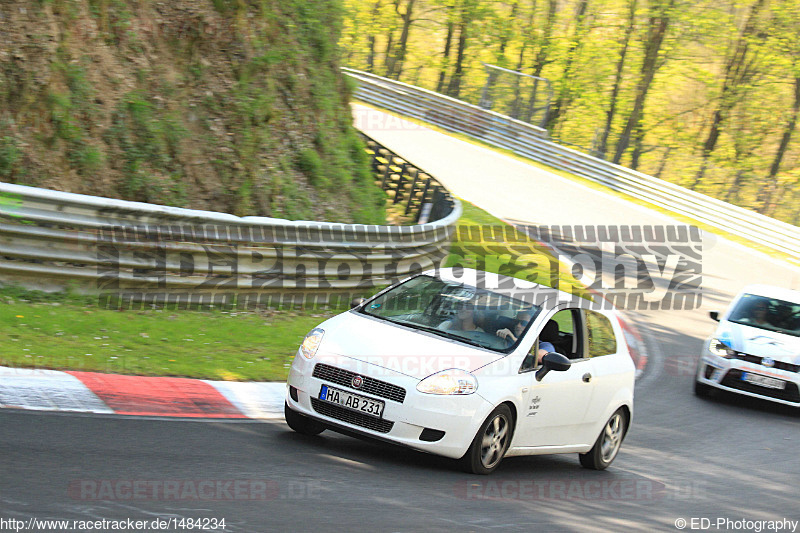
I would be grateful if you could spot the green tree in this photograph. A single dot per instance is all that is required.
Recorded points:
(786, 17)
(740, 68)
(394, 63)
(660, 15)
(624, 44)
(469, 13)
(566, 85)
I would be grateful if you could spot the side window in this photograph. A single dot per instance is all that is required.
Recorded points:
(601, 334)
(529, 363)
(563, 331)
(564, 320)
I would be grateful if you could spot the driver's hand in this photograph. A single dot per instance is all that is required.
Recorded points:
(506, 334)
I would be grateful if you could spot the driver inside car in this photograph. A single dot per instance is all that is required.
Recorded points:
(521, 321)
(464, 320)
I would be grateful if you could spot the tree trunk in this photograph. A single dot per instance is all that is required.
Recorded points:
(516, 103)
(541, 58)
(602, 146)
(767, 207)
(446, 62)
(388, 58)
(732, 194)
(454, 87)
(486, 97)
(371, 39)
(396, 63)
(738, 70)
(565, 87)
(658, 26)
(638, 146)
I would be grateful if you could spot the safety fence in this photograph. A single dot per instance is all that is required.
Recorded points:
(531, 142)
(136, 254)
(425, 199)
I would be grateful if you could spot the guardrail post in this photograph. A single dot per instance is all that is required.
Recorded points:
(398, 194)
(386, 173)
(409, 205)
(422, 199)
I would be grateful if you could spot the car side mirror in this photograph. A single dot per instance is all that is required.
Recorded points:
(355, 302)
(552, 361)
(714, 315)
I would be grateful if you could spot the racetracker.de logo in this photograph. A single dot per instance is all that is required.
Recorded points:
(173, 490)
(562, 489)
(366, 120)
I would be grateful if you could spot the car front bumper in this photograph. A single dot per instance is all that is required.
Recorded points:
(730, 374)
(412, 422)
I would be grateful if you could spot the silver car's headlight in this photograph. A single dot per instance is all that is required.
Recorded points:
(451, 381)
(718, 348)
(311, 343)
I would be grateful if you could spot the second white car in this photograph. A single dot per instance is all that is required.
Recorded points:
(755, 349)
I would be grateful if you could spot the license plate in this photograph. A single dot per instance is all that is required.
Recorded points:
(362, 404)
(763, 381)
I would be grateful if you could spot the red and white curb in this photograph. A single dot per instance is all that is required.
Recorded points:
(91, 392)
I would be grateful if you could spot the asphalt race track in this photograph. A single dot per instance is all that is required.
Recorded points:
(685, 458)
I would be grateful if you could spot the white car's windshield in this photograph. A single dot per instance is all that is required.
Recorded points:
(766, 313)
(460, 312)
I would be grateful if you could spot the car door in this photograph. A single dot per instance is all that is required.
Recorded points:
(554, 409)
(612, 366)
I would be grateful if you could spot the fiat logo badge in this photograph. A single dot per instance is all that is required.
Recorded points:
(768, 362)
(357, 382)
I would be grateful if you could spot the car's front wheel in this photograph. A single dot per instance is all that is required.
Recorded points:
(301, 423)
(490, 443)
(607, 446)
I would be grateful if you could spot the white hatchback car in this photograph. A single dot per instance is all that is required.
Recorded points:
(755, 350)
(443, 363)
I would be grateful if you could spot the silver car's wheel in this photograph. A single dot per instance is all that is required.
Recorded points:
(490, 443)
(607, 446)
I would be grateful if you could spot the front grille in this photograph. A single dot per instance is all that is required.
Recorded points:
(780, 365)
(351, 417)
(733, 379)
(370, 385)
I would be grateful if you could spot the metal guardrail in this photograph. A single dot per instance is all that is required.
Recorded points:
(531, 141)
(133, 252)
(444, 111)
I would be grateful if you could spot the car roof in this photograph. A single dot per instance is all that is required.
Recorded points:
(508, 286)
(771, 291)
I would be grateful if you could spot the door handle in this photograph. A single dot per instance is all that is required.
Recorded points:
(587, 377)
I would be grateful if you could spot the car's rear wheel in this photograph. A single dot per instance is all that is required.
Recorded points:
(607, 445)
(490, 443)
(301, 423)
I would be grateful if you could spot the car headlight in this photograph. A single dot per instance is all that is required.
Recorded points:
(451, 381)
(311, 343)
(718, 348)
